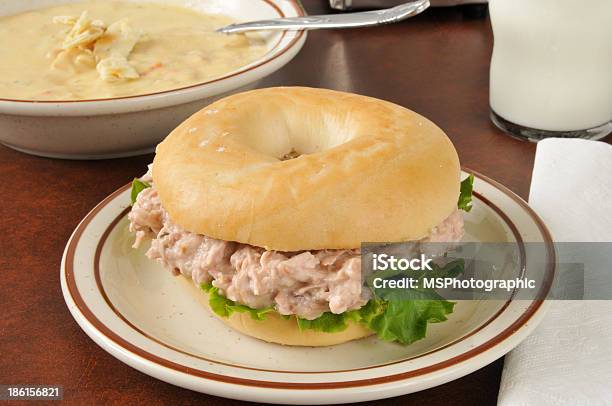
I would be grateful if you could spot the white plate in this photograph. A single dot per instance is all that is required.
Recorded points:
(142, 315)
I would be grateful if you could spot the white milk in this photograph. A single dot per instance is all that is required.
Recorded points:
(551, 67)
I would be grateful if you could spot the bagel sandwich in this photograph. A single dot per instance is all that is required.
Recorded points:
(261, 202)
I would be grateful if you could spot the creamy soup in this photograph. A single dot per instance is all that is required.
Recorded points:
(102, 49)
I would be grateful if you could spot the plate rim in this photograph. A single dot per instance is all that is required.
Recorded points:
(536, 306)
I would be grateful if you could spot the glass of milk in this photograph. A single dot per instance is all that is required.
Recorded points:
(551, 68)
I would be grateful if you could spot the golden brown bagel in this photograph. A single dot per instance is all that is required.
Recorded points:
(368, 170)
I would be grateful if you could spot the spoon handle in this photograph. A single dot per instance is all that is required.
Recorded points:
(349, 20)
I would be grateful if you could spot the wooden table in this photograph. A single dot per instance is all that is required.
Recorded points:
(436, 64)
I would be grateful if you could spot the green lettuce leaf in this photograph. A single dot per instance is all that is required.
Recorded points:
(465, 194)
(399, 315)
(402, 315)
(398, 320)
(327, 322)
(332, 323)
(137, 187)
(367, 313)
(405, 320)
(225, 307)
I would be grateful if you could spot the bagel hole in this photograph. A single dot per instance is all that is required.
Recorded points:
(288, 133)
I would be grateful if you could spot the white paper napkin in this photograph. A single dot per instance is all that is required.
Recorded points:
(568, 358)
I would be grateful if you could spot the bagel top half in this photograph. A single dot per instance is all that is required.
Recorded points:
(367, 171)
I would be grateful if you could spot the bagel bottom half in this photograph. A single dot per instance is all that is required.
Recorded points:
(275, 329)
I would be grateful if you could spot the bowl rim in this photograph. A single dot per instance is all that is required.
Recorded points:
(270, 56)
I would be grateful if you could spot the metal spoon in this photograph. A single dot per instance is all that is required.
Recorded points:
(349, 20)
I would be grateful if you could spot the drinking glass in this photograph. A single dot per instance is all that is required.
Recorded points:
(551, 68)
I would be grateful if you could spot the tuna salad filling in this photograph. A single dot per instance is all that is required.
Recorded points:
(306, 284)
